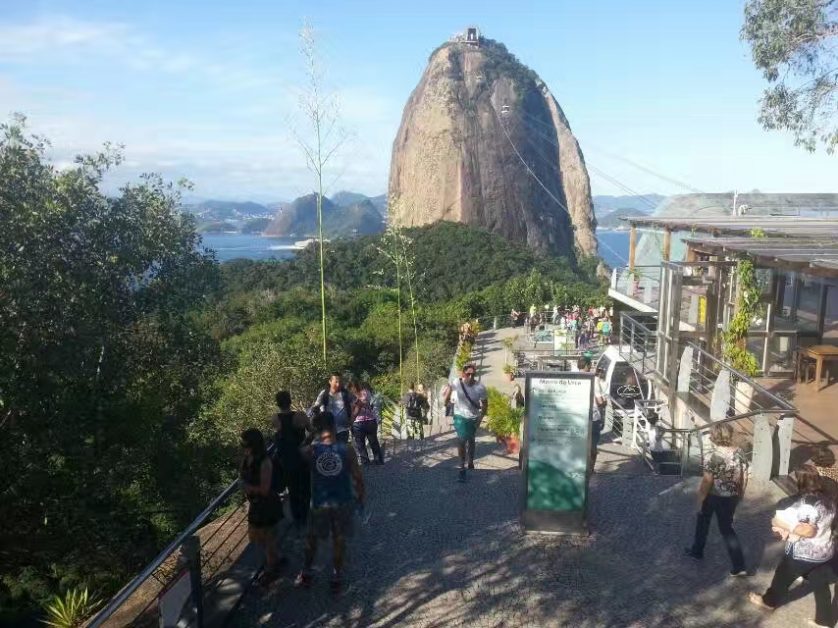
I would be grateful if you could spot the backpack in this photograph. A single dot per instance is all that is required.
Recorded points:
(414, 410)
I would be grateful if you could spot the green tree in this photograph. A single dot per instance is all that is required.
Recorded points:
(101, 364)
(793, 44)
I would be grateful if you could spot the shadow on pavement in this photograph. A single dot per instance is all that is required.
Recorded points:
(439, 553)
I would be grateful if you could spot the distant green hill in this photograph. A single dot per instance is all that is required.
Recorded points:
(613, 220)
(299, 219)
(228, 210)
(219, 226)
(641, 204)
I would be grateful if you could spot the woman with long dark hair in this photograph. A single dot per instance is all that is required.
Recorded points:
(806, 528)
(265, 509)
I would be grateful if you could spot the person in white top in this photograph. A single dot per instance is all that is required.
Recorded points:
(807, 528)
(601, 403)
(470, 404)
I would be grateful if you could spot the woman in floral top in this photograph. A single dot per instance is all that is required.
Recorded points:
(721, 488)
(807, 529)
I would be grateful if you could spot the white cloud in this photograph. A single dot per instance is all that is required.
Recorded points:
(55, 34)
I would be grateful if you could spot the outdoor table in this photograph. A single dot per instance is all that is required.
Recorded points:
(820, 354)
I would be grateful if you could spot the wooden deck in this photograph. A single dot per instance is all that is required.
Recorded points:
(818, 411)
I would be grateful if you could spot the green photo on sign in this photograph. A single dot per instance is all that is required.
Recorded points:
(557, 446)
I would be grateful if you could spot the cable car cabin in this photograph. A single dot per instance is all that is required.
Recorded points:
(473, 36)
(504, 110)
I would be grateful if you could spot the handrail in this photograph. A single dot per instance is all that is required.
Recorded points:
(746, 415)
(745, 378)
(119, 599)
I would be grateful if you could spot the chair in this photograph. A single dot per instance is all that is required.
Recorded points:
(804, 367)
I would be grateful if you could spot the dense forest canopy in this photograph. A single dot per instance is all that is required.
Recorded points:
(130, 359)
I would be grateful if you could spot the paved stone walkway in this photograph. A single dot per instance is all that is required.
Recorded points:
(439, 553)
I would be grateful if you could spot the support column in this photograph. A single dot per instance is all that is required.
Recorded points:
(785, 429)
(632, 247)
(763, 449)
(667, 244)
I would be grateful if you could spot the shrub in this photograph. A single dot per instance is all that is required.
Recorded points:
(502, 420)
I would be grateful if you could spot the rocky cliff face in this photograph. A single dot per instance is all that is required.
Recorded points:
(478, 134)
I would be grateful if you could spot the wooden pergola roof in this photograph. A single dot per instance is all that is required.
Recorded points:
(775, 226)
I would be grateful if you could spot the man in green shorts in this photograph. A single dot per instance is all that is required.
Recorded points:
(470, 402)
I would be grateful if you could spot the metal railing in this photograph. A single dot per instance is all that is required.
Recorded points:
(638, 340)
(207, 547)
(641, 284)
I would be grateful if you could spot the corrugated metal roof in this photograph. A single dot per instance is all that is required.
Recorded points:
(816, 254)
(778, 226)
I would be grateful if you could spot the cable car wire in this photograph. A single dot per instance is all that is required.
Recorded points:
(544, 187)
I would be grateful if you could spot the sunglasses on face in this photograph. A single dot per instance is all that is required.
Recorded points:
(469, 373)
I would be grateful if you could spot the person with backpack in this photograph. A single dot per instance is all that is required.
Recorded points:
(336, 484)
(336, 400)
(470, 404)
(365, 423)
(291, 432)
(416, 406)
(265, 505)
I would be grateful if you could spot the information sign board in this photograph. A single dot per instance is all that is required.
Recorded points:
(557, 448)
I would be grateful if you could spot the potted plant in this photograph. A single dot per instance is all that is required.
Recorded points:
(504, 421)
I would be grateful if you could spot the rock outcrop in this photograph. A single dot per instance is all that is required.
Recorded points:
(299, 219)
(482, 141)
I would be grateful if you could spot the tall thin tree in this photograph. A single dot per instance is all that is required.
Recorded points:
(320, 108)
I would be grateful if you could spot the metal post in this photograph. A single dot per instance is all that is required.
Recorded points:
(192, 551)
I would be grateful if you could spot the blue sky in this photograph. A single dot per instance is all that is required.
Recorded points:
(208, 89)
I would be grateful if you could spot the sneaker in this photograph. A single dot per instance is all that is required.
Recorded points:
(303, 580)
(471, 466)
(461, 477)
(688, 551)
(756, 600)
(735, 573)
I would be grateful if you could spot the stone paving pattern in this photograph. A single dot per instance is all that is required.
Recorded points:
(439, 553)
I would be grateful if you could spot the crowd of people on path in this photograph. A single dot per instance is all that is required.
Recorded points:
(806, 526)
(314, 460)
(588, 326)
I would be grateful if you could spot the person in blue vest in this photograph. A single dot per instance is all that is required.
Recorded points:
(335, 472)
(337, 401)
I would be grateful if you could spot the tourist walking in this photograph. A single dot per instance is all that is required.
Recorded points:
(291, 432)
(722, 486)
(600, 405)
(365, 424)
(334, 474)
(515, 395)
(336, 400)
(265, 506)
(415, 407)
(470, 403)
(806, 527)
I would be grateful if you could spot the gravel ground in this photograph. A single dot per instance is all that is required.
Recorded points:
(439, 553)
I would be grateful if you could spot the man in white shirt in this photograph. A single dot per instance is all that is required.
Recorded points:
(470, 404)
(601, 401)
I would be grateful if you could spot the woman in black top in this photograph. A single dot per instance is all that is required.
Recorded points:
(265, 509)
(291, 435)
